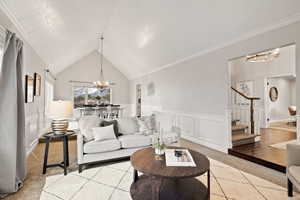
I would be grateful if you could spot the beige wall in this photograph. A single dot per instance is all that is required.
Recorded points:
(88, 69)
(34, 111)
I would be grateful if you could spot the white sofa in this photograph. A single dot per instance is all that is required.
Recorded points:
(90, 151)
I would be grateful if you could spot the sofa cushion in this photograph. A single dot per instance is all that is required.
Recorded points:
(101, 146)
(127, 126)
(112, 122)
(132, 141)
(86, 123)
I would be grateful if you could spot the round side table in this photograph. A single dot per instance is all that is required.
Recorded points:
(64, 137)
(161, 182)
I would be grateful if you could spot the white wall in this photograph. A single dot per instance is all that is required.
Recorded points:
(34, 112)
(278, 110)
(88, 69)
(201, 85)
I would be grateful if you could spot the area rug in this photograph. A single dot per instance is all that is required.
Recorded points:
(282, 145)
(112, 182)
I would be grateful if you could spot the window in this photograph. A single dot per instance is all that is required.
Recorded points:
(49, 90)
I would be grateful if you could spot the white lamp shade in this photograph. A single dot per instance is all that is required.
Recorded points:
(60, 109)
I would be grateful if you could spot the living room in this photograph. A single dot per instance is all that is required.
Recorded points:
(95, 97)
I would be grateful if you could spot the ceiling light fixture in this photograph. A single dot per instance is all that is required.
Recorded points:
(102, 83)
(266, 56)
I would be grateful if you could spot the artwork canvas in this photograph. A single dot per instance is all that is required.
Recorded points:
(37, 84)
(91, 96)
(246, 87)
(29, 84)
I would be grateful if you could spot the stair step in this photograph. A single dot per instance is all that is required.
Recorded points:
(239, 127)
(243, 136)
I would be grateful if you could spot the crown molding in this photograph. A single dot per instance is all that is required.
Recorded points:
(12, 18)
(18, 26)
(282, 23)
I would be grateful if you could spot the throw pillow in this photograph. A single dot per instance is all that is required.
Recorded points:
(144, 129)
(115, 125)
(86, 123)
(127, 126)
(104, 133)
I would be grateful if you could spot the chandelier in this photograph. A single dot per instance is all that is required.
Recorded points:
(102, 83)
(264, 56)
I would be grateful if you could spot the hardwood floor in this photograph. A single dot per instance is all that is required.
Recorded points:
(262, 153)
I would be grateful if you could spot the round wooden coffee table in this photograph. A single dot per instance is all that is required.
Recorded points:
(160, 182)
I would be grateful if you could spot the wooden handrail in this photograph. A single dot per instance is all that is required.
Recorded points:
(251, 99)
(245, 96)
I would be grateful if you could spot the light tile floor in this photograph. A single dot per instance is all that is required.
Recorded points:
(112, 182)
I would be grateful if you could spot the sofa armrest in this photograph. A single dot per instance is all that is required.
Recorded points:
(80, 144)
(293, 154)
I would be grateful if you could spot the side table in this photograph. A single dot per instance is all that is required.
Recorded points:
(64, 137)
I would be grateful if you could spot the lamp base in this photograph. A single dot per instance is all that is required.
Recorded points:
(59, 126)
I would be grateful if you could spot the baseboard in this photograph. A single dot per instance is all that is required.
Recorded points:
(279, 120)
(206, 143)
(32, 146)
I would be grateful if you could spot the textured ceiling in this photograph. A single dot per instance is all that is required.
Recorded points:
(141, 36)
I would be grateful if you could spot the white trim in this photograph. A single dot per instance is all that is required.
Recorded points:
(284, 22)
(12, 17)
(33, 144)
(298, 127)
(204, 129)
(206, 143)
(278, 120)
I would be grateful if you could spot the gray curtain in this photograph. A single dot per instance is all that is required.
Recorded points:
(12, 117)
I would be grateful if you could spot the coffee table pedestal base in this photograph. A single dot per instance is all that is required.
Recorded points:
(152, 188)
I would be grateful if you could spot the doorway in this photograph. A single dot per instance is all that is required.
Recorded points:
(263, 99)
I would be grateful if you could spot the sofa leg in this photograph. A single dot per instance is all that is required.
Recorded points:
(290, 188)
(79, 168)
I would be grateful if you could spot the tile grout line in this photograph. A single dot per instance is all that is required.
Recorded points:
(53, 181)
(50, 193)
(80, 188)
(116, 187)
(266, 187)
(250, 183)
(219, 185)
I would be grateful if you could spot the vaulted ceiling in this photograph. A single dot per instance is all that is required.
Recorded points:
(141, 36)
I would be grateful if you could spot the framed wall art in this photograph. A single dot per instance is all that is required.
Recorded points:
(37, 84)
(29, 85)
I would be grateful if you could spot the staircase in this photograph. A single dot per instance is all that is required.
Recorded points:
(243, 132)
(240, 135)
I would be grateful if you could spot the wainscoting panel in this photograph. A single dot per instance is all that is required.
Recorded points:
(34, 128)
(208, 130)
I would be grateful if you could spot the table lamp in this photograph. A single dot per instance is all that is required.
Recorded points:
(59, 112)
